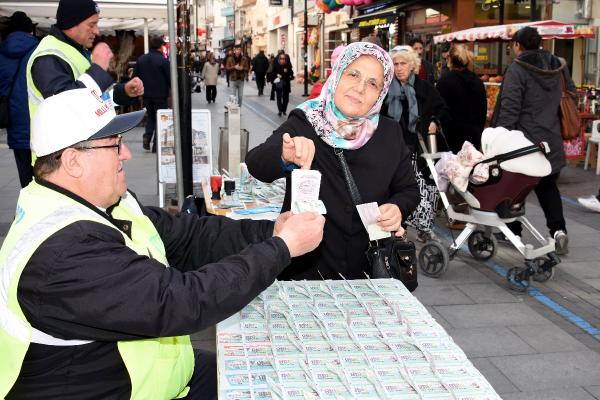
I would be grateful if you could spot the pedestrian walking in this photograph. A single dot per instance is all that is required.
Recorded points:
(465, 96)
(154, 70)
(15, 51)
(528, 101)
(224, 66)
(238, 66)
(426, 70)
(260, 64)
(62, 61)
(283, 76)
(419, 108)
(210, 74)
(103, 292)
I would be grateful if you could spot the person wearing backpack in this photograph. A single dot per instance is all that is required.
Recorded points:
(529, 101)
(15, 51)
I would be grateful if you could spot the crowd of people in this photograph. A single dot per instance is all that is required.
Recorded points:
(102, 292)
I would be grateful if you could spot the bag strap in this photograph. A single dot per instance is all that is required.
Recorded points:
(352, 188)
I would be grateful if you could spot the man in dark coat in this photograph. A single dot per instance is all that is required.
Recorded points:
(14, 54)
(260, 64)
(153, 69)
(528, 101)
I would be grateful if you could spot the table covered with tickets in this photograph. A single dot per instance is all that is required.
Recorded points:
(361, 339)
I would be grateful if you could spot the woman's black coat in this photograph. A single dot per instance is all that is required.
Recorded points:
(383, 174)
(431, 106)
(464, 93)
(286, 72)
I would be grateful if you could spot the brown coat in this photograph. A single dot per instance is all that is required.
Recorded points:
(237, 75)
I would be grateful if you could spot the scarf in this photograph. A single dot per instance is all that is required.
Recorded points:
(397, 94)
(330, 124)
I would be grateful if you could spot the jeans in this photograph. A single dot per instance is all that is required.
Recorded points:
(211, 93)
(283, 98)
(238, 89)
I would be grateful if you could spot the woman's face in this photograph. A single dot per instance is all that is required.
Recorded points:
(282, 59)
(402, 69)
(359, 87)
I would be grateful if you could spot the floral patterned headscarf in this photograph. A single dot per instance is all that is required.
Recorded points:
(331, 125)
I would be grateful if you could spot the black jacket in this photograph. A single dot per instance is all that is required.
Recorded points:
(51, 75)
(286, 73)
(260, 64)
(464, 93)
(153, 69)
(84, 283)
(431, 106)
(382, 171)
(529, 98)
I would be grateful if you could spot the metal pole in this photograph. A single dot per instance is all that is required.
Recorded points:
(146, 47)
(175, 99)
(500, 43)
(533, 5)
(305, 94)
(185, 95)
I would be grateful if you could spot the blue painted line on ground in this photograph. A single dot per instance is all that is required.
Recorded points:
(569, 200)
(539, 296)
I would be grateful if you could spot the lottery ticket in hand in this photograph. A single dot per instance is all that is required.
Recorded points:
(368, 213)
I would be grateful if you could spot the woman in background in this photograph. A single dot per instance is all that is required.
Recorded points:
(464, 93)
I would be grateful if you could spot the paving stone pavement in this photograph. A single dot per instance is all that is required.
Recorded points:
(544, 344)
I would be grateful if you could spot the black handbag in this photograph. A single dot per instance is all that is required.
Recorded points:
(392, 257)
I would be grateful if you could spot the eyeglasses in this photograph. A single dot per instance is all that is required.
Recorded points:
(356, 78)
(118, 145)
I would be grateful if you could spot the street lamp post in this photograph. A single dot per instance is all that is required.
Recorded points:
(305, 94)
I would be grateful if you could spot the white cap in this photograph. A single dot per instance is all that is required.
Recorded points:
(76, 115)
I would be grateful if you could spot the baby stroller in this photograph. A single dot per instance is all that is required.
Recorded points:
(492, 204)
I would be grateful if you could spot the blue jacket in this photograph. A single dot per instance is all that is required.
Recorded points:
(17, 47)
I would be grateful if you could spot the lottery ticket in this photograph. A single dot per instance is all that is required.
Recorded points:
(368, 213)
(236, 394)
(236, 364)
(238, 379)
(305, 186)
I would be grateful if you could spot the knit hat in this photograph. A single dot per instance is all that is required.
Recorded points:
(19, 21)
(73, 12)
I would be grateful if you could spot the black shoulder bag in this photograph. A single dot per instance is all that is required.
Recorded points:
(4, 100)
(388, 258)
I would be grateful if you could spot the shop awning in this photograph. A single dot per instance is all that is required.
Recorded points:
(547, 29)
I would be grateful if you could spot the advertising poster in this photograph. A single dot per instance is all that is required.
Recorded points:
(201, 146)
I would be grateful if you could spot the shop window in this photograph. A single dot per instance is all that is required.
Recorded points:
(487, 11)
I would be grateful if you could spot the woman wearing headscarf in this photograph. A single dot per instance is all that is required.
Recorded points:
(465, 96)
(345, 117)
(419, 109)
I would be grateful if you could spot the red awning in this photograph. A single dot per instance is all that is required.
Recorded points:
(547, 29)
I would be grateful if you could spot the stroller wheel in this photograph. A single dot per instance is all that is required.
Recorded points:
(542, 270)
(482, 248)
(433, 259)
(518, 278)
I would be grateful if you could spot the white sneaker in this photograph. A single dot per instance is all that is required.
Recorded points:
(591, 203)
(561, 243)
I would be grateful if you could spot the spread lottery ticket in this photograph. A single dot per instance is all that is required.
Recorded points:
(363, 339)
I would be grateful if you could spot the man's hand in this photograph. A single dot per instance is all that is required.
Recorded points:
(301, 232)
(298, 150)
(432, 128)
(280, 222)
(135, 87)
(390, 219)
(102, 55)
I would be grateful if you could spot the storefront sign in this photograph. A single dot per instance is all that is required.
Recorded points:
(380, 21)
(275, 2)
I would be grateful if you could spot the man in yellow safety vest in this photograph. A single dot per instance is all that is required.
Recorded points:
(98, 293)
(62, 61)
